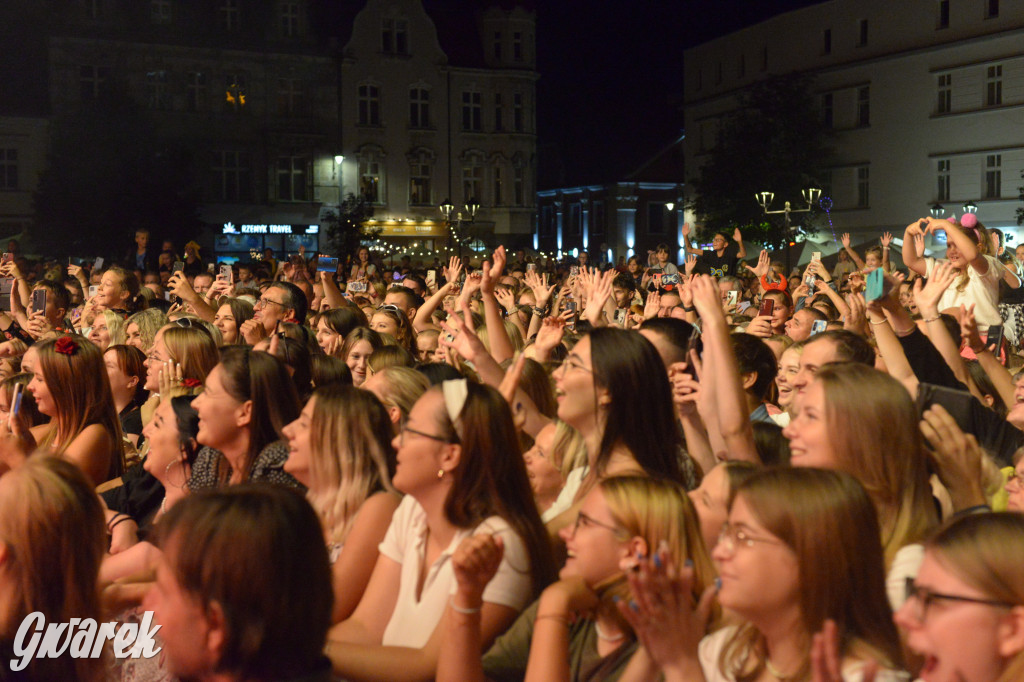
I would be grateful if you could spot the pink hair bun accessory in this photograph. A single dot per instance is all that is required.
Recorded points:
(952, 219)
(969, 220)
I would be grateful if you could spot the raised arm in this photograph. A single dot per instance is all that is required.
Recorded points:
(987, 358)
(853, 254)
(181, 288)
(734, 422)
(911, 258)
(886, 241)
(501, 345)
(737, 236)
(686, 241)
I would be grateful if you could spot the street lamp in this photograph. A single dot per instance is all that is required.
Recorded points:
(764, 200)
(970, 207)
(937, 210)
(447, 208)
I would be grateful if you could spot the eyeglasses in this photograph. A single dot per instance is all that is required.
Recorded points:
(921, 598)
(184, 322)
(388, 306)
(572, 362)
(408, 429)
(587, 521)
(262, 303)
(730, 537)
(1016, 479)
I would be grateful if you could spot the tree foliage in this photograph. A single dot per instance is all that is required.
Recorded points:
(775, 141)
(346, 227)
(1020, 195)
(108, 174)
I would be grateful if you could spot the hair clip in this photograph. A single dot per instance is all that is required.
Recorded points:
(66, 345)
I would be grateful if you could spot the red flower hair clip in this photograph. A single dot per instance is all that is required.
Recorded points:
(66, 346)
(191, 383)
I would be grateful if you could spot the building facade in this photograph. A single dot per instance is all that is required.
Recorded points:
(22, 159)
(421, 125)
(925, 98)
(619, 219)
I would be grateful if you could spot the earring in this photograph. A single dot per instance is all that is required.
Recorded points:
(440, 474)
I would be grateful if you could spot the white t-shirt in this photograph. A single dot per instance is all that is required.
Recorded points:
(981, 290)
(711, 648)
(413, 621)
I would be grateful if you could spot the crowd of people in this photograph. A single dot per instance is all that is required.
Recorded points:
(520, 468)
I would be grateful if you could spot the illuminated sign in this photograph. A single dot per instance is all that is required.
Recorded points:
(249, 228)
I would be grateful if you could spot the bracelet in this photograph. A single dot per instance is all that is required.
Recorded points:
(933, 319)
(460, 609)
(537, 310)
(879, 322)
(691, 309)
(553, 616)
(112, 526)
(114, 518)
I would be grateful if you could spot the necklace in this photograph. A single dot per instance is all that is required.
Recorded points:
(775, 672)
(605, 637)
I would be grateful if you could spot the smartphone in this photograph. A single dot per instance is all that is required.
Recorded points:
(178, 266)
(210, 267)
(92, 290)
(818, 326)
(811, 281)
(397, 277)
(531, 266)
(8, 258)
(994, 338)
(19, 389)
(431, 277)
(571, 305)
(815, 256)
(227, 274)
(327, 265)
(574, 270)
(732, 298)
(657, 280)
(169, 297)
(39, 300)
(620, 316)
(767, 307)
(98, 263)
(356, 287)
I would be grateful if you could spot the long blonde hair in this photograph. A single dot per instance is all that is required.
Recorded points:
(987, 552)
(352, 457)
(875, 436)
(51, 523)
(829, 522)
(659, 511)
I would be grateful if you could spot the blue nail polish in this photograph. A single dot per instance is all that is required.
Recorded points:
(633, 605)
(718, 583)
(641, 556)
(616, 599)
(657, 560)
(689, 563)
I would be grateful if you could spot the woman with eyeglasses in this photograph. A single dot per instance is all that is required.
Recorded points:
(247, 400)
(574, 631)
(964, 612)
(614, 390)
(462, 474)
(340, 448)
(359, 345)
(1015, 484)
(800, 565)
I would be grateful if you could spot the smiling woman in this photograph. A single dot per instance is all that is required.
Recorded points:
(965, 610)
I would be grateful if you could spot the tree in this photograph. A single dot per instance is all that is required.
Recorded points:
(775, 141)
(346, 228)
(108, 174)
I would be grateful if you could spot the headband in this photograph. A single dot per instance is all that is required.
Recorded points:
(455, 393)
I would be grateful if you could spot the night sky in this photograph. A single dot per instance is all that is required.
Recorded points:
(611, 78)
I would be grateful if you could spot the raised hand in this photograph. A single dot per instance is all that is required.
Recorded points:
(737, 236)
(474, 564)
(454, 269)
(927, 295)
(969, 329)
(958, 456)
(552, 329)
(507, 299)
(886, 240)
(764, 263)
(690, 264)
(686, 229)
(846, 240)
(653, 305)
(662, 611)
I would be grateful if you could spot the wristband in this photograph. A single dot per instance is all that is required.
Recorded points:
(691, 309)
(933, 319)
(537, 310)
(460, 609)
(115, 517)
(114, 525)
(976, 509)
